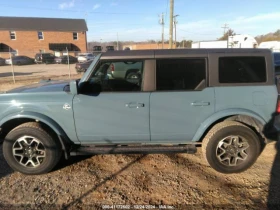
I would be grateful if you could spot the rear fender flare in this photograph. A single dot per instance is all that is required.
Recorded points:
(223, 114)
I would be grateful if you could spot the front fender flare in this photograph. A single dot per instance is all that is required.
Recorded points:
(222, 114)
(36, 116)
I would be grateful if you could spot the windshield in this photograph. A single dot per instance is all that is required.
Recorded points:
(90, 68)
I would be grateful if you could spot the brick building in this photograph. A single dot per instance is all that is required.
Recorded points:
(28, 36)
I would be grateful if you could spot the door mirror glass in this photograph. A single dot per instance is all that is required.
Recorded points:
(90, 88)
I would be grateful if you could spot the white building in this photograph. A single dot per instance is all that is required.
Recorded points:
(236, 41)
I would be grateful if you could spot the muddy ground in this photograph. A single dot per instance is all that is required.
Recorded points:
(177, 181)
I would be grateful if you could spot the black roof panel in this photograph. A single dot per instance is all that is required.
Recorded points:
(42, 24)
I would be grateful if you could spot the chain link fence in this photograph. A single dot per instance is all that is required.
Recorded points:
(15, 66)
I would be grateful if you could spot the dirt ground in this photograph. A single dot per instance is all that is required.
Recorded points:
(177, 181)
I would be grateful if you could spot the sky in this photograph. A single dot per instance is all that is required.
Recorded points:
(138, 20)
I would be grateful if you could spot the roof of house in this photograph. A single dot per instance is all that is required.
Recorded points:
(42, 24)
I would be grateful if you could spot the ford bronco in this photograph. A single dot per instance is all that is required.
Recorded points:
(219, 99)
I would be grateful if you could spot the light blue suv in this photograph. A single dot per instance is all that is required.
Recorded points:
(220, 99)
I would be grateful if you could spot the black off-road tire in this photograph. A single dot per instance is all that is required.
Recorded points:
(225, 129)
(51, 147)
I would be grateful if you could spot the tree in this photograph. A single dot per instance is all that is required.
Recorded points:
(151, 41)
(186, 43)
(228, 33)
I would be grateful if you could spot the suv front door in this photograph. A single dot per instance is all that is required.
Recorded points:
(119, 113)
(182, 100)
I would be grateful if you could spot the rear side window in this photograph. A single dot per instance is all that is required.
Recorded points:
(180, 74)
(242, 69)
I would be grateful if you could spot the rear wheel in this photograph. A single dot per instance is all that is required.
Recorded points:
(231, 147)
(29, 149)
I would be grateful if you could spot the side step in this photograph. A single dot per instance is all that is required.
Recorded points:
(119, 149)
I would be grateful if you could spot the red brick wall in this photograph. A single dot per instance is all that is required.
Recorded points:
(27, 42)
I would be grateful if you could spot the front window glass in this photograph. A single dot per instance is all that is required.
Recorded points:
(119, 75)
(116, 76)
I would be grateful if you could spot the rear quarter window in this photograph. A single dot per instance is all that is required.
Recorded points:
(242, 69)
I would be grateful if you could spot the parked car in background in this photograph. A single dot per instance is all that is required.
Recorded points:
(2, 61)
(44, 58)
(19, 60)
(110, 48)
(64, 59)
(82, 67)
(82, 57)
(125, 70)
(276, 56)
(97, 48)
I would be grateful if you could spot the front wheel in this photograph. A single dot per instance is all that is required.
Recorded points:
(29, 149)
(231, 147)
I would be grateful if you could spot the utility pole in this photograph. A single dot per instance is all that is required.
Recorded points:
(225, 27)
(175, 22)
(183, 42)
(171, 24)
(117, 40)
(161, 22)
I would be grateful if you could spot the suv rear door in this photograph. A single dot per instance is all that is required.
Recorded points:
(182, 100)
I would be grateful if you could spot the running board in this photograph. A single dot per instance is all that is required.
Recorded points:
(151, 149)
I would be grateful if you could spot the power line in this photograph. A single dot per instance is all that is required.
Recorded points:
(166, 8)
(68, 10)
(162, 32)
(190, 32)
(225, 27)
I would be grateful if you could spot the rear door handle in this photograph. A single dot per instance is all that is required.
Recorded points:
(200, 103)
(134, 105)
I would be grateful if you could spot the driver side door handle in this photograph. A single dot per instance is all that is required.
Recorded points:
(200, 103)
(134, 105)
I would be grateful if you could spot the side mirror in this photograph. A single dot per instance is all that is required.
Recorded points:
(89, 88)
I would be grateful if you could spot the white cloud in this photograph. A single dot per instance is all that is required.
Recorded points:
(96, 6)
(256, 18)
(66, 5)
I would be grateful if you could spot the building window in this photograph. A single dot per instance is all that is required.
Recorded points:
(242, 69)
(40, 35)
(75, 36)
(187, 74)
(13, 35)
